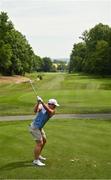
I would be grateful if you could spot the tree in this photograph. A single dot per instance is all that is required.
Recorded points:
(16, 54)
(77, 57)
(5, 58)
(94, 54)
(22, 58)
(59, 65)
(102, 63)
(37, 64)
(47, 64)
(98, 58)
(5, 25)
(5, 48)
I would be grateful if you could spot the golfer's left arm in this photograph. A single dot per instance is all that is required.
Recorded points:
(50, 111)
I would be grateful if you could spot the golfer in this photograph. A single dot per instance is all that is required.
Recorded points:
(44, 113)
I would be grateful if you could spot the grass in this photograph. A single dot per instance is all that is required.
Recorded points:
(77, 149)
(76, 94)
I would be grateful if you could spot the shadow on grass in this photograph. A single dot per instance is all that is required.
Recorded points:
(14, 165)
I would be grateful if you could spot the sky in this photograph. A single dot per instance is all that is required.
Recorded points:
(53, 26)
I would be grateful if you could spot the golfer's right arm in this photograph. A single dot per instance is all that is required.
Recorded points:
(37, 107)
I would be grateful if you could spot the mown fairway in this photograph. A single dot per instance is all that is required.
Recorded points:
(79, 149)
(75, 93)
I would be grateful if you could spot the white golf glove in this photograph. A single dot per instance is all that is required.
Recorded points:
(39, 99)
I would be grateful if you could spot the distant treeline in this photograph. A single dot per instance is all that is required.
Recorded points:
(93, 54)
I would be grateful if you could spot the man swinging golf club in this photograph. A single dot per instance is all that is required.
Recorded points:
(44, 113)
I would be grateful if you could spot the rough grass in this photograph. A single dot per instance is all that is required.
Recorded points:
(77, 149)
(75, 93)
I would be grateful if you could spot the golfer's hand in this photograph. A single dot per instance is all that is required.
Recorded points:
(39, 99)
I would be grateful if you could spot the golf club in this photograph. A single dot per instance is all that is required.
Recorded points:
(33, 87)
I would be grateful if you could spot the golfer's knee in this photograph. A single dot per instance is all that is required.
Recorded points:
(44, 140)
(40, 143)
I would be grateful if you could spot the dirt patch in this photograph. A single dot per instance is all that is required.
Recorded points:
(13, 79)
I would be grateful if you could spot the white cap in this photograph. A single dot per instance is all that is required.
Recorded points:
(53, 101)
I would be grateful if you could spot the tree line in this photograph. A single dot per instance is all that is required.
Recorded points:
(93, 54)
(16, 54)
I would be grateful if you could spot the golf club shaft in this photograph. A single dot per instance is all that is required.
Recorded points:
(33, 89)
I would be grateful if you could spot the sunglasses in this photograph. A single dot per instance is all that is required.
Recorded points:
(51, 104)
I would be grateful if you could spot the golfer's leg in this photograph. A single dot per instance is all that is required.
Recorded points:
(43, 138)
(38, 148)
(44, 142)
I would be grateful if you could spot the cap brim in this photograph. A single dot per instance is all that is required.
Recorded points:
(57, 105)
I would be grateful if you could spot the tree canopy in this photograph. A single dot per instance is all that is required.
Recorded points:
(16, 54)
(93, 55)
